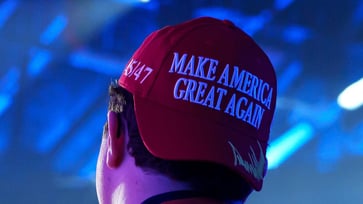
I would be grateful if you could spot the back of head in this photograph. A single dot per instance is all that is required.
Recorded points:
(203, 97)
(208, 178)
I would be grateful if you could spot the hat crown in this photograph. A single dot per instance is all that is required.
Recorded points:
(211, 83)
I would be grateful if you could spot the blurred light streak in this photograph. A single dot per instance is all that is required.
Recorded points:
(54, 29)
(296, 34)
(351, 97)
(38, 62)
(5, 102)
(221, 13)
(9, 85)
(6, 9)
(249, 24)
(84, 139)
(283, 147)
(89, 17)
(289, 75)
(48, 141)
(218, 12)
(282, 4)
(85, 59)
(256, 23)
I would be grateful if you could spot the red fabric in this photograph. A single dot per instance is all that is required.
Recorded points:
(204, 91)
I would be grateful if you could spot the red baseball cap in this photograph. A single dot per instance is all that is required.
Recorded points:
(204, 91)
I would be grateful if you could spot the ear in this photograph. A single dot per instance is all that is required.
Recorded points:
(115, 139)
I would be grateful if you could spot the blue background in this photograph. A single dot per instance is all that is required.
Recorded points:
(57, 59)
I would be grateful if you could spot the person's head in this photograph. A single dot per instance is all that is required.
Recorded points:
(194, 104)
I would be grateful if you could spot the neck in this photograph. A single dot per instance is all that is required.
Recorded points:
(138, 185)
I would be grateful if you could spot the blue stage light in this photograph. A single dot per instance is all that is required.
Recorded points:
(82, 141)
(54, 29)
(48, 140)
(6, 9)
(85, 59)
(5, 101)
(250, 24)
(288, 143)
(38, 62)
(88, 171)
(296, 34)
(9, 86)
(282, 4)
(351, 97)
(288, 76)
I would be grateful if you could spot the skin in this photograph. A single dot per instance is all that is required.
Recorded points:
(118, 179)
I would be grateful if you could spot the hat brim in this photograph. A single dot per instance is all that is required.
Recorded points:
(167, 133)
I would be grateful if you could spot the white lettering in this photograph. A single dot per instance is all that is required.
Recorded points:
(200, 68)
(249, 95)
(212, 69)
(221, 92)
(138, 71)
(223, 79)
(237, 78)
(245, 110)
(190, 67)
(178, 64)
(204, 68)
(231, 106)
(256, 167)
(179, 92)
(199, 93)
